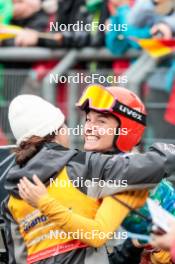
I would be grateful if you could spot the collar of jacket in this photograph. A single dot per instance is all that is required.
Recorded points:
(114, 152)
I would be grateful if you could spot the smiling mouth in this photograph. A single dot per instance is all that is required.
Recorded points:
(92, 138)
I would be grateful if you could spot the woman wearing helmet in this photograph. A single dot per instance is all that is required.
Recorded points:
(113, 122)
(124, 111)
(107, 105)
(37, 126)
(121, 104)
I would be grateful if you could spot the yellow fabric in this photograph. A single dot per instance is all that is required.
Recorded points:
(107, 219)
(66, 208)
(34, 226)
(162, 257)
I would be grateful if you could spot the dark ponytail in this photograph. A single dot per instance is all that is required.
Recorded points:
(27, 149)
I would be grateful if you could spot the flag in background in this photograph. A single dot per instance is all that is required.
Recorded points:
(157, 47)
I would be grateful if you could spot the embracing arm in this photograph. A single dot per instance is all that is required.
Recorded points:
(138, 170)
(108, 218)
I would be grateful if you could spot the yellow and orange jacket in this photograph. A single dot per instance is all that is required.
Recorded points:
(71, 208)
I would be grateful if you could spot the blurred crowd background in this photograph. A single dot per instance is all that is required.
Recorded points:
(139, 53)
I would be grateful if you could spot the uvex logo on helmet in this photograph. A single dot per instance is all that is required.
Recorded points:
(130, 113)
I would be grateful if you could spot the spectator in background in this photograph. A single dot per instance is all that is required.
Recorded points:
(88, 12)
(71, 12)
(29, 15)
(159, 15)
(26, 14)
(145, 19)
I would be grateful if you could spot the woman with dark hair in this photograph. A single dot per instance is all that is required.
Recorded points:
(52, 160)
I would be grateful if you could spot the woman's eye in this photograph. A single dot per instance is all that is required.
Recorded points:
(88, 120)
(101, 121)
